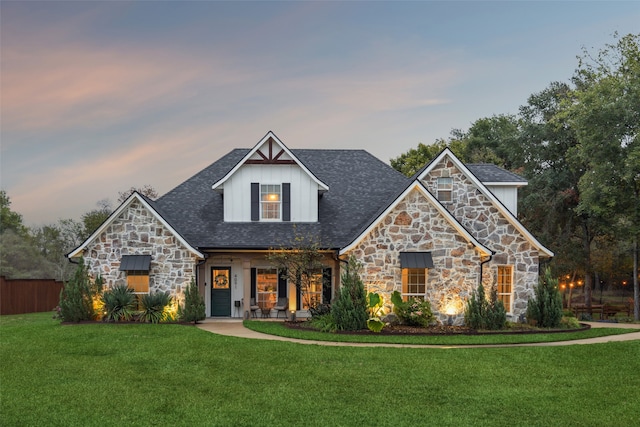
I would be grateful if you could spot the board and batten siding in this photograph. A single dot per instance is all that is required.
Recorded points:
(508, 195)
(237, 191)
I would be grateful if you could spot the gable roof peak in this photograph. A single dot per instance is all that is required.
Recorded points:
(270, 150)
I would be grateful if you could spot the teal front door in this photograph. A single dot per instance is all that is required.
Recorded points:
(221, 291)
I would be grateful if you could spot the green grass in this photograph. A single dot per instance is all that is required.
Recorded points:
(137, 374)
(278, 328)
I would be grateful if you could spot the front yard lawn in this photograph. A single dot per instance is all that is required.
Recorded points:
(141, 374)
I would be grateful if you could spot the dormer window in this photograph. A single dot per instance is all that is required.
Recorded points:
(270, 206)
(271, 202)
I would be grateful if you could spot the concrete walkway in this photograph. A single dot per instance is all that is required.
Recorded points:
(234, 328)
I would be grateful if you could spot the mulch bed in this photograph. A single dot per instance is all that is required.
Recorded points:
(401, 330)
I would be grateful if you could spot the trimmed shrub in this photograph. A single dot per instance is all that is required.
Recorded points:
(193, 309)
(350, 308)
(545, 308)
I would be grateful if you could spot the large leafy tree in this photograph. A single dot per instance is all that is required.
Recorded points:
(9, 220)
(606, 115)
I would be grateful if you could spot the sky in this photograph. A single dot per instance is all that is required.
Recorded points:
(96, 97)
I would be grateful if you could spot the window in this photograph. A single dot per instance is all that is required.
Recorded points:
(266, 287)
(313, 294)
(414, 282)
(445, 189)
(505, 285)
(138, 281)
(270, 201)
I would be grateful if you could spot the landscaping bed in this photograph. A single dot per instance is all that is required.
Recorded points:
(439, 330)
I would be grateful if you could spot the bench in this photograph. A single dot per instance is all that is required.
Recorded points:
(604, 310)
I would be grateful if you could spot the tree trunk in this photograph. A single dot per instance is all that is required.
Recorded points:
(636, 289)
(586, 244)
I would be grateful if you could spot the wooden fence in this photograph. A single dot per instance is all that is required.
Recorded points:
(19, 296)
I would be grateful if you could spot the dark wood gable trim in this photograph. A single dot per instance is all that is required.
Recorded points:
(271, 160)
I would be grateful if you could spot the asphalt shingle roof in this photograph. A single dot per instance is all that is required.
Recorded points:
(487, 172)
(359, 184)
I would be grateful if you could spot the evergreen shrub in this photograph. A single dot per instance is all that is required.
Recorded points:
(481, 313)
(545, 308)
(193, 309)
(76, 297)
(350, 307)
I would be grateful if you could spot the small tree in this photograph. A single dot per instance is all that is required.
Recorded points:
(350, 307)
(76, 297)
(194, 308)
(299, 263)
(545, 308)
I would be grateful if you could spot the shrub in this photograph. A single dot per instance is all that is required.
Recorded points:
(545, 308)
(194, 308)
(320, 310)
(569, 322)
(324, 323)
(350, 308)
(119, 304)
(481, 313)
(76, 297)
(413, 312)
(152, 307)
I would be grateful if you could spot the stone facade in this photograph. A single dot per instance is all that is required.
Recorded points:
(416, 225)
(478, 214)
(136, 231)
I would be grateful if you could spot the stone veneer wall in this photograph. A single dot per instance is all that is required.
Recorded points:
(416, 225)
(137, 232)
(477, 214)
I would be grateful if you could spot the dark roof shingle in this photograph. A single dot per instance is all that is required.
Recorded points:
(359, 184)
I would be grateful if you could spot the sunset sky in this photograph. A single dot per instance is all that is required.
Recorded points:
(99, 96)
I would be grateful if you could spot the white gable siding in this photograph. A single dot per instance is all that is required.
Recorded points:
(508, 196)
(237, 191)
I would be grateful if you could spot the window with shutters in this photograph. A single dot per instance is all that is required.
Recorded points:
(270, 202)
(266, 287)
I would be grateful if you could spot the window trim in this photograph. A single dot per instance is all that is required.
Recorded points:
(138, 273)
(442, 189)
(263, 203)
(406, 272)
(272, 298)
(511, 276)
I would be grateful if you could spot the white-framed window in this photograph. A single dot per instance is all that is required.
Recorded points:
(445, 189)
(313, 293)
(505, 285)
(138, 281)
(414, 283)
(270, 202)
(266, 287)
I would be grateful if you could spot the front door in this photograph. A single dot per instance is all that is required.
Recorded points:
(221, 291)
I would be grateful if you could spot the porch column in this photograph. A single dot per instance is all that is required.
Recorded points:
(246, 285)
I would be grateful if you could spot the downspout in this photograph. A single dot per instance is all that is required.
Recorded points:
(482, 263)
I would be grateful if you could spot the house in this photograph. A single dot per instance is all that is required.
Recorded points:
(435, 235)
